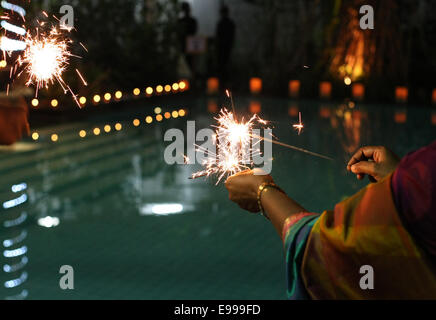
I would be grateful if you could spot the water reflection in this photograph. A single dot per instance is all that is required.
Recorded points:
(162, 209)
(48, 222)
(14, 258)
(95, 199)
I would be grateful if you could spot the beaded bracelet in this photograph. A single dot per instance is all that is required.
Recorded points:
(261, 189)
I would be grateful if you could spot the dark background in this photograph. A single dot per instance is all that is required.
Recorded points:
(135, 42)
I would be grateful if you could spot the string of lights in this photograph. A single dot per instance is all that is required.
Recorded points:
(159, 116)
(108, 97)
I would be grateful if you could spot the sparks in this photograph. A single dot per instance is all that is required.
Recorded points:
(235, 152)
(299, 126)
(82, 78)
(235, 147)
(230, 96)
(46, 58)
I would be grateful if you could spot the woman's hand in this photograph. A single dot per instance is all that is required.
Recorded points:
(243, 188)
(376, 162)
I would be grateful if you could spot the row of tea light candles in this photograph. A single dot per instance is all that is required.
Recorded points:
(325, 89)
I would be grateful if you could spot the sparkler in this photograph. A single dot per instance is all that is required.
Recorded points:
(235, 151)
(299, 126)
(46, 58)
(46, 53)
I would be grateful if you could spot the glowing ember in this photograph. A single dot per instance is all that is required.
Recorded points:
(299, 126)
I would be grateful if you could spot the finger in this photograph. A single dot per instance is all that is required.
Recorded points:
(362, 154)
(360, 176)
(259, 172)
(244, 173)
(364, 167)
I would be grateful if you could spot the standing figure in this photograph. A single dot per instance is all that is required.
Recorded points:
(225, 38)
(188, 28)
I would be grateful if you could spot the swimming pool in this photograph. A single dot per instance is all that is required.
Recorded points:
(101, 203)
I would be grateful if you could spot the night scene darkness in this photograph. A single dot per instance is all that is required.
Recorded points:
(226, 156)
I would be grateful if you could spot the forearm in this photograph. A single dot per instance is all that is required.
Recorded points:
(279, 207)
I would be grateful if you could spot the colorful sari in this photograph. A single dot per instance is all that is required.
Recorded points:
(325, 253)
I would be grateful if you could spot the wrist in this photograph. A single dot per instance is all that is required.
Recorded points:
(258, 182)
(264, 189)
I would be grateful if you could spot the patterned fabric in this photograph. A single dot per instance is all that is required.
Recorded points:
(389, 226)
(366, 230)
(414, 186)
(295, 233)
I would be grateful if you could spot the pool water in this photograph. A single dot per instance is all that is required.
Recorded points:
(88, 202)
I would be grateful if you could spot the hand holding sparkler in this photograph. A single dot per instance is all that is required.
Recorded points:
(243, 189)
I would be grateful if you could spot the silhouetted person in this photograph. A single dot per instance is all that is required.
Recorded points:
(225, 38)
(188, 27)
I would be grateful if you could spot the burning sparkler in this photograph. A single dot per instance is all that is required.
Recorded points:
(235, 151)
(299, 126)
(46, 54)
(46, 58)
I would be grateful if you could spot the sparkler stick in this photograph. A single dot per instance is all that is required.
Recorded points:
(230, 95)
(294, 148)
(299, 126)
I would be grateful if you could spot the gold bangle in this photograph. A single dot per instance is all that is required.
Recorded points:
(261, 189)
